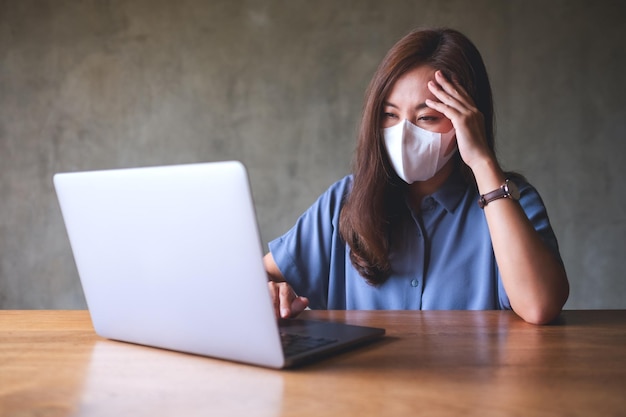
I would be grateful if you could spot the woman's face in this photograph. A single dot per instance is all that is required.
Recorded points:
(407, 100)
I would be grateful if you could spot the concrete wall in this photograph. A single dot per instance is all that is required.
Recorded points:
(279, 85)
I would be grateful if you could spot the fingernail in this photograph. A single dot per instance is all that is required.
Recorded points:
(284, 312)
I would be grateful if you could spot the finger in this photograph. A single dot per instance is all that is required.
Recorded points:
(273, 288)
(454, 89)
(298, 305)
(446, 84)
(448, 111)
(286, 297)
(453, 107)
(445, 97)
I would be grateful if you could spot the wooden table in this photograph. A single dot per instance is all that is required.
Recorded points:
(431, 363)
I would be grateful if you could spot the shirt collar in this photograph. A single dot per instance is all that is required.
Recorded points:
(449, 195)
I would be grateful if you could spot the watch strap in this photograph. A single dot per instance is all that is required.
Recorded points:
(501, 192)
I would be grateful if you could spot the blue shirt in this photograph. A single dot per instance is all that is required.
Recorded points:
(445, 260)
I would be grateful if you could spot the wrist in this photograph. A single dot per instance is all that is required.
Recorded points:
(488, 175)
(507, 190)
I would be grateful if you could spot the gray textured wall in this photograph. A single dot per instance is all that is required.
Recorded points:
(279, 85)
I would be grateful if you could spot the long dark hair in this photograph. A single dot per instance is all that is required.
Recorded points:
(377, 196)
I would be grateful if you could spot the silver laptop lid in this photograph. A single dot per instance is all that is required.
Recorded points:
(171, 257)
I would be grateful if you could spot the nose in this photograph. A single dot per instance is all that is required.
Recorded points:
(411, 119)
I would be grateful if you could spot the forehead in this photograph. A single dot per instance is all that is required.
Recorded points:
(412, 85)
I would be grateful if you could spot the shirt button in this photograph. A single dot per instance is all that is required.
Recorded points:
(415, 283)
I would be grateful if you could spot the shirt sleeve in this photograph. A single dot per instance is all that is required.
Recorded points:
(536, 211)
(304, 254)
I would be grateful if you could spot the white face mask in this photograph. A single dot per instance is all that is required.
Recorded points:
(417, 154)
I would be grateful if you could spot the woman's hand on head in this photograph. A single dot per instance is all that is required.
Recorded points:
(468, 121)
(287, 303)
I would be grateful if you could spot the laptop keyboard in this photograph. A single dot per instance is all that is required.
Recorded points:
(294, 344)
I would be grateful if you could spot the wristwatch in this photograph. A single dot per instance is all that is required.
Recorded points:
(507, 190)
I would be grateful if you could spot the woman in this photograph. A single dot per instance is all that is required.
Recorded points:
(428, 220)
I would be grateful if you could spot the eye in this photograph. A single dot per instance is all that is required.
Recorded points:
(428, 119)
(387, 116)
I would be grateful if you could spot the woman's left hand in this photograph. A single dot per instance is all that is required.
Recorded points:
(468, 121)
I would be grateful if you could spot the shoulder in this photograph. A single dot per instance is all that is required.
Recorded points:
(342, 186)
(528, 193)
(336, 192)
(327, 207)
(533, 205)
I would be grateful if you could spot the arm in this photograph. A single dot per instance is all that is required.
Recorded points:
(286, 302)
(533, 277)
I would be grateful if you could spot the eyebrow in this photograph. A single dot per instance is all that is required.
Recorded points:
(418, 107)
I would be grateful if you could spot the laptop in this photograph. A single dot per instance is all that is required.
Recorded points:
(171, 257)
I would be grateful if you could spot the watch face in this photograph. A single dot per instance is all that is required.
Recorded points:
(512, 189)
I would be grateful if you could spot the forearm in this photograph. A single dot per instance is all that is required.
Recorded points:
(533, 277)
(272, 270)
